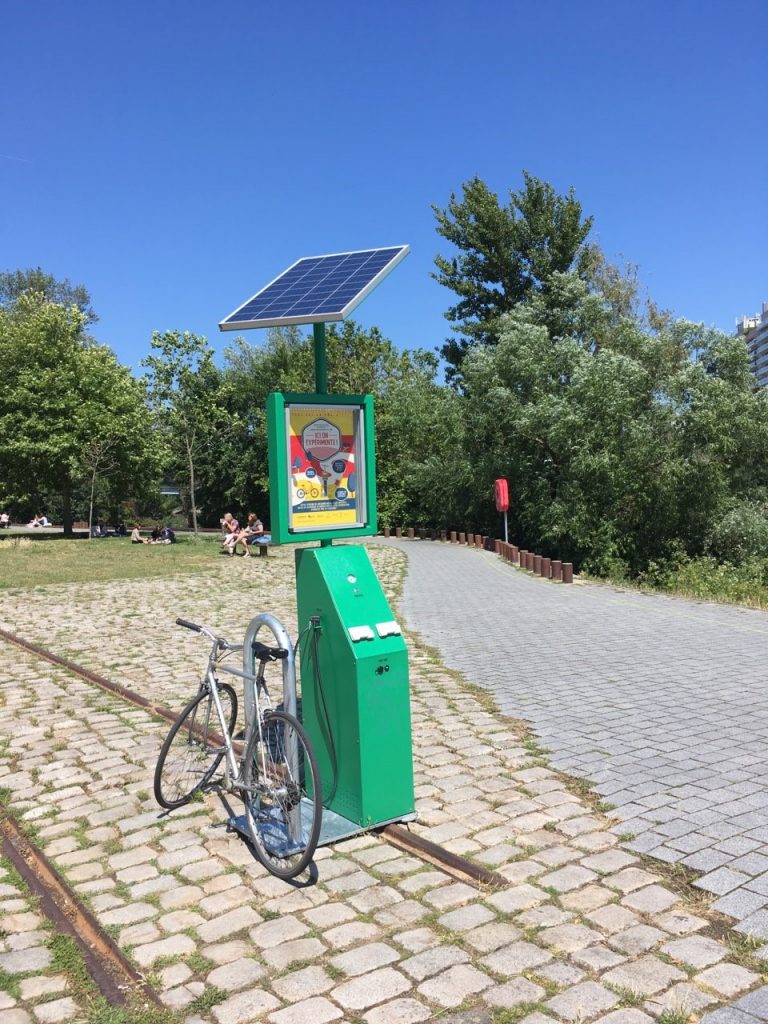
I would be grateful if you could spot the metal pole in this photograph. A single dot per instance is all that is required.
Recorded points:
(321, 364)
(506, 536)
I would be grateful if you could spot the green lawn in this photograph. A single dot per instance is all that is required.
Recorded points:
(30, 562)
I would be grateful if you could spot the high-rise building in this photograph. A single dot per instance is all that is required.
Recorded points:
(754, 330)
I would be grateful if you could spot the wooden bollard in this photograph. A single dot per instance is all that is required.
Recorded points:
(521, 557)
(398, 531)
(454, 537)
(470, 539)
(410, 533)
(546, 567)
(537, 565)
(443, 536)
(514, 553)
(478, 540)
(386, 531)
(567, 572)
(557, 569)
(422, 533)
(462, 538)
(529, 561)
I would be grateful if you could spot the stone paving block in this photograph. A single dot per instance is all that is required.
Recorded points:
(684, 998)
(175, 945)
(569, 937)
(562, 972)
(755, 1003)
(626, 1015)
(364, 992)
(492, 936)
(514, 959)
(613, 918)
(299, 950)
(302, 984)
(57, 1012)
(729, 1015)
(653, 899)
(316, 1010)
(589, 898)
(454, 986)
(43, 985)
(721, 881)
(597, 958)
(629, 879)
(365, 958)
(696, 950)
(226, 952)
(521, 897)
(727, 979)
(230, 924)
(432, 961)
(638, 939)
(646, 976)
(398, 1011)
(740, 903)
(237, 974)
(22, 961)
(451, 896)
(582, 1002)
(568, 878)
(678, 922)
(756, 925)
(244, 1006)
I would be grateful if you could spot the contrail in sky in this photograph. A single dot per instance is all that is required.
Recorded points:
(20, 159)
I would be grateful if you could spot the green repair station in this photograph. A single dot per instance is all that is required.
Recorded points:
(354, 691)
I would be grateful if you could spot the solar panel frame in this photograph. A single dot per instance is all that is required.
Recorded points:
(325, 310)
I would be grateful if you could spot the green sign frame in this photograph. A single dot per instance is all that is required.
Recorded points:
(297, 422)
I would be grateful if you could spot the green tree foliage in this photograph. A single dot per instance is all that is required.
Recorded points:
(187, 397)
(15, 283)
(60, 399)
(506, 254)
(619, 452)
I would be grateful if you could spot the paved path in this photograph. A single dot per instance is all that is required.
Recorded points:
(662, 702)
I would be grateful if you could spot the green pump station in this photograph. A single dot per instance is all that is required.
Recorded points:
(355, 696)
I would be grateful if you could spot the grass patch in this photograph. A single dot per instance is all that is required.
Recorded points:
(43, 561)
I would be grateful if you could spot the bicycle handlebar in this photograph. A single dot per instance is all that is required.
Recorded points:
(189, 625)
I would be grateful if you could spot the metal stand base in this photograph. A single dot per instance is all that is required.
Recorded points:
(332, 827)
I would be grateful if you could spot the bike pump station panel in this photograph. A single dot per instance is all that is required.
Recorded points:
(355, 696)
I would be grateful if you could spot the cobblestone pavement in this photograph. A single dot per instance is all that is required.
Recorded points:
(662, 702)
(584, 931)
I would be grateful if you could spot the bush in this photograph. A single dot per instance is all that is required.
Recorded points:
(741, 534)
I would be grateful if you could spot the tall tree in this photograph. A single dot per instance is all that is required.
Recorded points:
(506, 254)
(185, 394)
(58, 397)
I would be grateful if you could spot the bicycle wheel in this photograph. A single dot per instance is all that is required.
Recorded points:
(281, 777)
(193, 750)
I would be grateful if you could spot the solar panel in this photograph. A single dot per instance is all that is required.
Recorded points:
(316, 289)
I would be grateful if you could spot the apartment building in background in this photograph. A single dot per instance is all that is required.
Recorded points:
(754, 330)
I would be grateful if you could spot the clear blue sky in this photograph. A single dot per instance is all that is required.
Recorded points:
(174, 157)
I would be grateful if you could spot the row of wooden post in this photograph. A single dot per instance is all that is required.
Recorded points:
(548, 568)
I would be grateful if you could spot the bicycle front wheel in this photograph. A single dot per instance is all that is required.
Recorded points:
(282, 795)
(193, 748)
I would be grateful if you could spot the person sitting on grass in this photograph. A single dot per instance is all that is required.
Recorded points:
(167, 536)
(5, 521)
(136, 537)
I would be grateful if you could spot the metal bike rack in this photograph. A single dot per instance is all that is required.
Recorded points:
(282, 639)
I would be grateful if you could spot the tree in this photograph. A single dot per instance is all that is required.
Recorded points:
(15, 283)
(186, 398)
(58, 397)
(506, 254)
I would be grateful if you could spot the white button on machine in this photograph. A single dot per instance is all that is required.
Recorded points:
(361, 633)
(388, 629)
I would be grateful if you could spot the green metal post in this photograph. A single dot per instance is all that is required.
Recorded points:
(321, 379)
(321, 365)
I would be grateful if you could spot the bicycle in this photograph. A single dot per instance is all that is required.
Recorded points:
(277, 776)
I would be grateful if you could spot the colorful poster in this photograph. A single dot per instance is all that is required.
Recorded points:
(325, 447)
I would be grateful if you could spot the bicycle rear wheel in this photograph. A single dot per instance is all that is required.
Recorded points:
(282, 795)
(193, 748)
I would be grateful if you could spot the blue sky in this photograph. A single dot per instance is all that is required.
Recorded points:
(174, 157)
